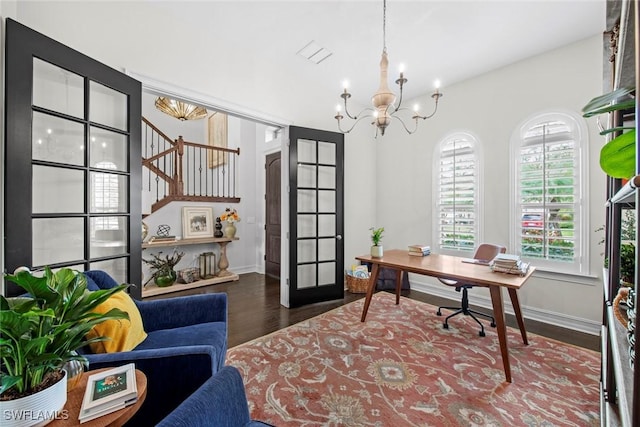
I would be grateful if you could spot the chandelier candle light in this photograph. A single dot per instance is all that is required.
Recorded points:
(383, 100)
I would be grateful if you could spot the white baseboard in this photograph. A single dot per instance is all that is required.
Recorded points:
(245, 269)
(532, 313)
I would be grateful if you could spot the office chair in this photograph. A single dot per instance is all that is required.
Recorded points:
(485, 252)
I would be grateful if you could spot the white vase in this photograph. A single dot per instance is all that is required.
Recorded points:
(36, 410)
(376, 251)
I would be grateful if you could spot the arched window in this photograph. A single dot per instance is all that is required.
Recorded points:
(456, 188)
(549, 153)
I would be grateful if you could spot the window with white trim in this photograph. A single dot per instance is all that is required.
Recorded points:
(456, 193)
(105, 197)
(550, 159)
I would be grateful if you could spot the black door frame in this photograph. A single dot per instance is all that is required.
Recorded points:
(22, 45)
(298, 297)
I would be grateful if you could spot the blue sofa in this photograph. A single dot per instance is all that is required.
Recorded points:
(221, 402)
(186, 345)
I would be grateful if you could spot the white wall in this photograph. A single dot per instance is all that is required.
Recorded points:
(492, 106)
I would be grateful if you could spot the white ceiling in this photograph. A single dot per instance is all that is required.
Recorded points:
(449, 40)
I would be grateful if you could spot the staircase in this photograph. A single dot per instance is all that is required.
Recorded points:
(179, 170)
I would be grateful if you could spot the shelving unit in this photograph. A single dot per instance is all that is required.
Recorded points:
(223, 275)
(620, 382)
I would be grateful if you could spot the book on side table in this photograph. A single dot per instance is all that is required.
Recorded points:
(108, 391)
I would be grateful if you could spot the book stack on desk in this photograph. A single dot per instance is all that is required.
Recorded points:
(508, 263)
(419, 250)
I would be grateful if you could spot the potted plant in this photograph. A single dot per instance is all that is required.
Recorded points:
(163, 273)
(40, 332)
(376, 238)
(628, 248)
(618, 156)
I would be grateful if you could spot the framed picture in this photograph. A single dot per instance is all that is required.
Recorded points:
(217, 129)
(197, 222)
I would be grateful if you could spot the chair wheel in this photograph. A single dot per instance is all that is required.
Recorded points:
(445, 326)
(482, 334)
(438, 313)
(493, 324)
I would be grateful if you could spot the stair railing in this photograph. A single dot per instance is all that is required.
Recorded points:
(179, 170)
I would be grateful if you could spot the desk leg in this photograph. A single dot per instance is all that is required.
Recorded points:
(398, 286)
(498, 313)
(375, 271)
(513, 294)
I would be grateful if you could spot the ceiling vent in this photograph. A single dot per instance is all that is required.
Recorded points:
(314, 52)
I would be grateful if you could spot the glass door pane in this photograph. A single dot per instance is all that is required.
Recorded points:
(57, 89)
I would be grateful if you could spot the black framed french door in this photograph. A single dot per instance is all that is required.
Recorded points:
(72, 164)
(316, 221)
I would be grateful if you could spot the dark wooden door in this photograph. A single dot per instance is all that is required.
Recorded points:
(73, 162)
(273, 215)
(316, 215)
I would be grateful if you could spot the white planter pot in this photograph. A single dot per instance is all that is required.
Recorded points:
(376, 251)
(37, 409)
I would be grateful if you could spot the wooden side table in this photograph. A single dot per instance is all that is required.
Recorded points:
(114, 419)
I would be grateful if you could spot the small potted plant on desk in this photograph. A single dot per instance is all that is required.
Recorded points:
(163, 273)
(40, 334)
(376, 238)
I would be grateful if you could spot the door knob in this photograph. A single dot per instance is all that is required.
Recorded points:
(339, 237)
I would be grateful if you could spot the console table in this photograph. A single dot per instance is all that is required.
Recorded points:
(223, 275)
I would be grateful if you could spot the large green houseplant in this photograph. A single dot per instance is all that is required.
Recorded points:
(42, 331)
(618, 156)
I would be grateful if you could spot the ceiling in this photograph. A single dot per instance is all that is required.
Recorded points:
(449, 40)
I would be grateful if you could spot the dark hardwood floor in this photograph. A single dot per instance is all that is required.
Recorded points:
(255, 310)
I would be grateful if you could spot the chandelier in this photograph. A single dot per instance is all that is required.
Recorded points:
(383, 100)
(180, 110)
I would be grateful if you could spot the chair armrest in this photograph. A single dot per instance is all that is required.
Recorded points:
(220, 402)
(177, 312)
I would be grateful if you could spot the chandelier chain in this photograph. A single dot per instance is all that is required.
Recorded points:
(384, 26)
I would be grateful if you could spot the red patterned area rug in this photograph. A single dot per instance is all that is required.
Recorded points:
(401, 368)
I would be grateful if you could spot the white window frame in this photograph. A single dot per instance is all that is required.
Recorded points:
(578, 126)
(107, 200)
(478, 193)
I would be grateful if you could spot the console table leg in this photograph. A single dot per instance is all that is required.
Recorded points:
(223, 263)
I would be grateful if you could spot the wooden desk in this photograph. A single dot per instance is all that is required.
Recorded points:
(450, 267)
(114, 419)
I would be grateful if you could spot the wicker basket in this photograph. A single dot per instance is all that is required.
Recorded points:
(357, 285)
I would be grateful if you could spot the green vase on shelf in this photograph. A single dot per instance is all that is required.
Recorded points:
(162, 280)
